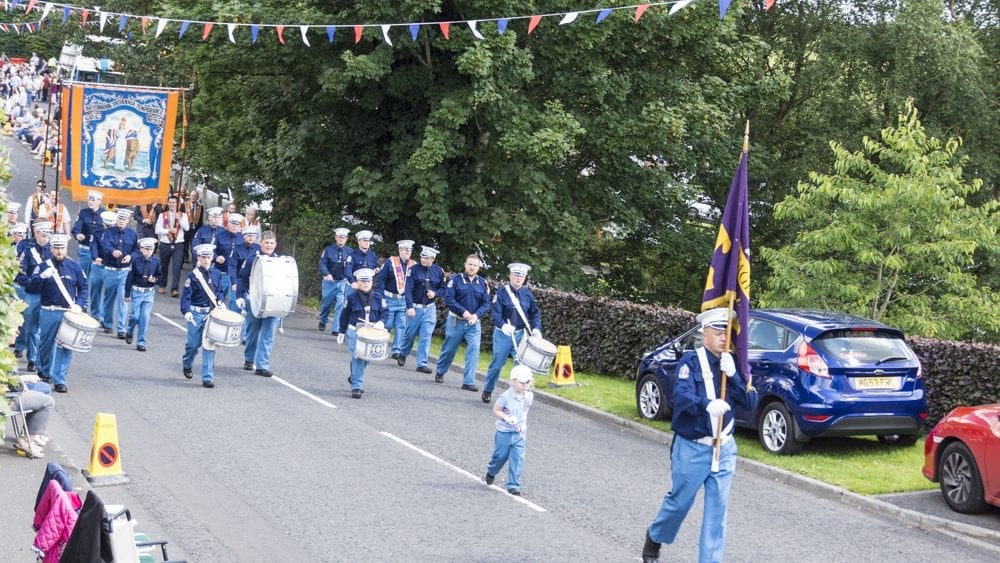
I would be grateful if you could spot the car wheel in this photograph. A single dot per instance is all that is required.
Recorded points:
(649, 398)
(776, 430)
(960, 482)
(898, 439)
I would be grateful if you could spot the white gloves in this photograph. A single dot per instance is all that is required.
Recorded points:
(48, 273)
(536, 332)
(240, 302)
(726, 364)
(340, 338)
(189, 317)
(74, 308)
(507, 329)
(380, 325)
(717, 407)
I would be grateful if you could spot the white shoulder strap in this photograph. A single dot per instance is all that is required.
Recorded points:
(205, 286)
(517, 305)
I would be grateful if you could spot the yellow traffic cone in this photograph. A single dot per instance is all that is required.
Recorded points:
(562, 369)
(105, 466)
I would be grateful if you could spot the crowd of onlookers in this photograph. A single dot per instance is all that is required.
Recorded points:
(27, 92)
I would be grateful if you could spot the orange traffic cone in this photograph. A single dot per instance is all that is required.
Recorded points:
(562, 369)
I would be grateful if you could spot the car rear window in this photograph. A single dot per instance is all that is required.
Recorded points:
(853, 346)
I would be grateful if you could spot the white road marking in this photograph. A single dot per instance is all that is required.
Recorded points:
(461, 471)
(171, 322)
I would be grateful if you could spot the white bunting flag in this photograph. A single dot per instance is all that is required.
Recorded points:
(679, 6)
(104, 20)
(45, 12)
(475, 32)
(385, 34)
(162, 23)
(305, 30)
(231, 27)
(569, 18)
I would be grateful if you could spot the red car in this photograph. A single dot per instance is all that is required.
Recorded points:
(962, 452)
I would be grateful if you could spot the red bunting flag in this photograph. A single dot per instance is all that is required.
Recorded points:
(281, 33)
(145, 23)
(533, 23)
(768, 4)
(357, 33)
(444, 29)
(208, 29)
(86, 14)
(640, 10)
(31, 6)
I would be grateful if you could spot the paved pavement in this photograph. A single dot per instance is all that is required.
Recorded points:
(290, 468)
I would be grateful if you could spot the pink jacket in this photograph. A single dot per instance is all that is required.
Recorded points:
(54, 519)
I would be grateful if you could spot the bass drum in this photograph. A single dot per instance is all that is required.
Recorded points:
(274, 286)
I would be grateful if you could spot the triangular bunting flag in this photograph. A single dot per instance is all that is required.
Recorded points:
(162, 23)
(640, 10)
(145, 24)
(30, 29)
(444, 29)
(206, 31)
(475, 32)
(45, 12)
(679, 6)
(358, 30)
(768, 4)
(230, 28)
(31, 6)
(122, 22)
(304, 30)
(17, 29)
(385, 34)
(414, 31)
(502, 25)
(84, 16)
(569, 18)
(184, 28)
(254, 31)
(104, 19)
(723, 8)
(330, 32)
(603, 15)
(3, 26)
(66, 13)
(533, 23)
(281, 33)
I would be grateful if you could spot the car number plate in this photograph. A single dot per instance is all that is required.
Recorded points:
(876, 382)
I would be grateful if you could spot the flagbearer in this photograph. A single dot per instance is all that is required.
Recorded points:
(391, 281)
(140, 287)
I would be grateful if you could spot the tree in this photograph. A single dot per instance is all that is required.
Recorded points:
(890, 235)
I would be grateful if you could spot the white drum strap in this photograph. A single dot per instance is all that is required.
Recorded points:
(517, 305)
(59, 284)
(205, 286)
(709, 378)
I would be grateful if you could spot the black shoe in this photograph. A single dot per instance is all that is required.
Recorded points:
(650, 550)
(140, 348)
(128, 338)
(188, 373)
(425, 369)
(31, 366)
(121, 336)
(438, 377)
(60, 388)
(207, 384)
(44, 378)
(322, 326)
(356, 393)
(107, 331)
(18, 353)
(487, 396)
(334, 334)
(515, 492)
(470, 387)
(264, 373)
(489, 479)
(395, 355)
(248, 366)
(400, 360)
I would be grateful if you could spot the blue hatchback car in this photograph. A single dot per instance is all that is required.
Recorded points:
(817, 374)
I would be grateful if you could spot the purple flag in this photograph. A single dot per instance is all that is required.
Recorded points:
(729, 272)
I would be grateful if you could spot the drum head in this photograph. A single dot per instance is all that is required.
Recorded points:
(256, 290)
(543, 345)
(81, 320)
(226, 316)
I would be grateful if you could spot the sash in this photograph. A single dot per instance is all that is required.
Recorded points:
(706, 374)
(397, 269)
(517, 305)
(205, 286)
(59, 284)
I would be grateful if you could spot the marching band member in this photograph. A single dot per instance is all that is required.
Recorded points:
(196, 305)
(96, 276)
(140, 286)
(195, 212)
(240, 256)
(170, 228)
(468, 299)
(13, 209)
(18, 232)
(514, 312)
(209, 232)
(391, 281)
(424, 284)
(225, 248)
(83, 230)
(260, 330)
(60, 269)
(365, 305)
(361, 257)
(118, 245)
(34, 253)
(332, 264)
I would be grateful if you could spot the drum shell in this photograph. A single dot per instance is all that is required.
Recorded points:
(76, 332)
(274, 286)
(372, 344)
(536, 353)
(224, 328)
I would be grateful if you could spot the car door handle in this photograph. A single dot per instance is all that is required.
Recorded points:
(764, 362)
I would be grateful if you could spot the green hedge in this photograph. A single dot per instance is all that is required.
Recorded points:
(957, 374)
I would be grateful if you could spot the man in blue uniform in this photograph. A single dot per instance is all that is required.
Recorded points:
(140, 287)
(83, 230)
(59, 278)
(96, 276)
(225, 250)
(332, 264)
(514, 313)
(202, 292)
(361, 257)
(13, 210)
(209, 232)
(468, 299)
(34, 252)
(424, 284)
(243, 253)
(364, 306)
(118, 246)
(260, 330)
(698, 409)
(391, 282)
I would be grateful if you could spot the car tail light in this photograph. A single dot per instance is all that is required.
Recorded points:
(817, 417)
(920, 370)
(810, 361)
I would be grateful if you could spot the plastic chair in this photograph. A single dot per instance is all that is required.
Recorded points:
(126, 544)
(19, 421)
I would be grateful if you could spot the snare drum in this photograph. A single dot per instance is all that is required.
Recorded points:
(372, 345)
(224, 327)
(536, 353)
(76, 332)
(274, 286)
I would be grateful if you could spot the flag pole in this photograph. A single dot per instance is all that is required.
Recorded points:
(717, 440)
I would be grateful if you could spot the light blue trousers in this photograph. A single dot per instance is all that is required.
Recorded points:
(503, 346)
(194, 332)
(421, 324)
(508, 446)
(456, 330)
(142, 308)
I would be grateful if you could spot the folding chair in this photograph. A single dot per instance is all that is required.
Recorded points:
(126, 544)
(19, 422)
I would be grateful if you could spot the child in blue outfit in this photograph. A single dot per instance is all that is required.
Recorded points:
(511, 439)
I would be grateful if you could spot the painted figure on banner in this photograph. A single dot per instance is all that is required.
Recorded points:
(122, 144)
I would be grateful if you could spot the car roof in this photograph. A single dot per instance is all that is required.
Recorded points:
(815, 321)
